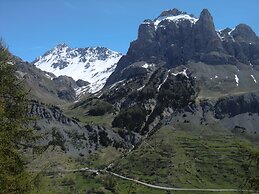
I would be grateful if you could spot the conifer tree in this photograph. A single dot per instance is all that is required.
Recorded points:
(13, 133)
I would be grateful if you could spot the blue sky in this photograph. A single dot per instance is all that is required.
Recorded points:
(31, 27)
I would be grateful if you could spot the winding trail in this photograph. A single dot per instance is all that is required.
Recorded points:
(177, 189)
(146, 184)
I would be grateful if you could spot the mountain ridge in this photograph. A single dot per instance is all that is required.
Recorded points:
(179, 41)
(91, 64)
(177, 110)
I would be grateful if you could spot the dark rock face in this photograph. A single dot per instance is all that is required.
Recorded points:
(170, 12)
(235, 105)
(177, 58)
(81, 83)
(243, 33)
(45, 86)
(51, 113)
(206, 39)
(65, 87)
(42, 87)
(58, 130)
(141, 103)
(176, 38)
(236, 114)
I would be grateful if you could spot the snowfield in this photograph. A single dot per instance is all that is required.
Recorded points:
(92, 64)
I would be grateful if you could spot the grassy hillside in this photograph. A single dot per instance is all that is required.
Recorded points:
(194, 158)
(174, 156)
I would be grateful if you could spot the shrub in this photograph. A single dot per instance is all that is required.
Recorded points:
(131, 118)
(100, 108)
(104, 140)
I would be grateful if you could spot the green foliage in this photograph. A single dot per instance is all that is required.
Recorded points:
(58, 139)
(93, 137)
(131, 118)
(101, 108)
(252, 168)
(104, 140)
(110, 183)
(177, 93)
(13, 117)
(187, 157)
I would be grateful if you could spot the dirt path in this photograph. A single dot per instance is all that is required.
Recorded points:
(177, 189)
(146, 184)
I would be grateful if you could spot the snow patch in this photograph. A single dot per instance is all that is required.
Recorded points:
(254, 78)
(220, 37)
(237, 79)
(81, 90)
(181, 72)
(230, 34)
(139, 89)
(158, 88)
(113, 85)
(146, 66)
(251, 65)
(10, 63)
(175, 19)
(48, 76)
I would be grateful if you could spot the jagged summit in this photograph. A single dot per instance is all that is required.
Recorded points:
(62, 45)
(173, 15)
(177, 38)
(244, 33)
(91, 64)
(205, 14)
(206, 20)
(173, 12)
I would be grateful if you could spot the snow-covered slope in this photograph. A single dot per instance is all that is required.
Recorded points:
(174, 15)
(91, 64)
(176, 19)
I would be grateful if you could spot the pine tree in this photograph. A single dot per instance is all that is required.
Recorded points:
(13, 133)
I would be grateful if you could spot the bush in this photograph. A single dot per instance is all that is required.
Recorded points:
(100, 108)
(177, 93)
(104, 140)
(67, 182)
(131, 118)
(57, 139)
(109, 183)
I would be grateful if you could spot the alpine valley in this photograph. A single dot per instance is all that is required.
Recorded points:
(177, 113)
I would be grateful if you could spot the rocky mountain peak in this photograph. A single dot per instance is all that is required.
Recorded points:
(244, 33)
(172, 12)
(90, 64)
(205, 15)
(206, 20)
(176, 38)
(173, 16)
(62, 45)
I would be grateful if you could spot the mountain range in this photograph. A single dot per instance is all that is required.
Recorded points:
(178, 64)
(92, 64)
(181, 101)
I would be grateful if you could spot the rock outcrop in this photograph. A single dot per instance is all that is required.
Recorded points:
(176, 38)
